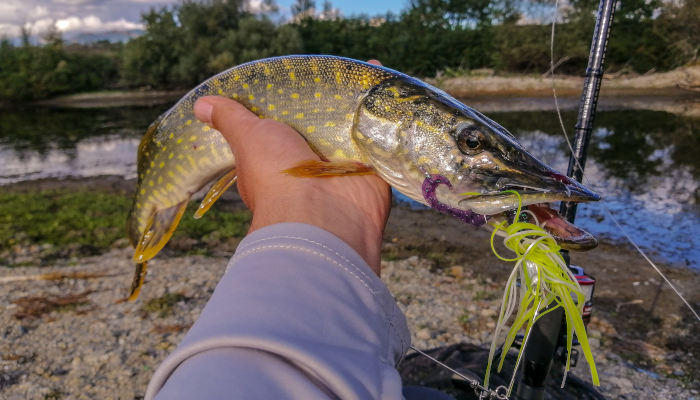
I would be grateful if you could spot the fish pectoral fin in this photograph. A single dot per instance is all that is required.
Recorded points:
(318, 169)
(216, 190)
(159, 229)
(136, 283)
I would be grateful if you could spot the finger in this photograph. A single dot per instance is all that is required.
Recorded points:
(375, 62)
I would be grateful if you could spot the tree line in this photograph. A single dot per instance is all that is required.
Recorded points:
(186, 43)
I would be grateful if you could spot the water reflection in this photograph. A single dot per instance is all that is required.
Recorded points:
(644, 163)
(43, 143)
(38, 130)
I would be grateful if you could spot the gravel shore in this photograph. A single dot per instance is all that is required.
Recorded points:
(66, 338)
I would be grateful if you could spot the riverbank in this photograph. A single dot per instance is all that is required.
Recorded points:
(676, 91)
(66, 338)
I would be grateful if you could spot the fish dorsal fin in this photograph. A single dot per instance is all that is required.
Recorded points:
(320, 169)
(158, 230)
(216, 190)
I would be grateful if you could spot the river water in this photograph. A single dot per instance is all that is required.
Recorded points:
(646, 164)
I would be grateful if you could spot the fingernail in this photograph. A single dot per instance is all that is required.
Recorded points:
(203, 109)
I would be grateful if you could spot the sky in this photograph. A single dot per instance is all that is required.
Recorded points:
(95, 16)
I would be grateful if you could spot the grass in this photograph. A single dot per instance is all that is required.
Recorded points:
(61, 219)
(60, 223)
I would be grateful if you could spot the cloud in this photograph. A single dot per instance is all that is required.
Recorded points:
(92, 23)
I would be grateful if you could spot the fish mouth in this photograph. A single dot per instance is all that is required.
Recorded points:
(502, 206)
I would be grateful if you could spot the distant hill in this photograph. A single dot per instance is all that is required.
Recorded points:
(110, 36)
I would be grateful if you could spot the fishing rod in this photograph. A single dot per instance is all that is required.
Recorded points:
(546, 334)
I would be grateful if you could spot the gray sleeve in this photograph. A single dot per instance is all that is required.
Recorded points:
(298, 314)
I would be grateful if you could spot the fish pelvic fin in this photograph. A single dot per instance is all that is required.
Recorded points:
(216, 190)
(320, 169)
(159, 229)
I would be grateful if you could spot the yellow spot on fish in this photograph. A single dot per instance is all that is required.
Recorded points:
(269, 86)
(193, 138)
(271, 107)
(169, 187)
(292, 76)
(338, 77)
(423, 160)
(160, 180)
(153, 164)
(285, 112)
(280, 91)
(330, 109)
(180, 169)
(338, 97)
(193, 164)
(180, 156)
(360, 135)
(171, 174)
(179, 141)
(317, 95)
(245, 86)
(251, 97)
(316, 110)
(142, 191)
(295, 96)
(349, 116)
(234, 96)
(256, 81)
(330, 124)
(220, 91)
(311, 129)
(150, 183)
(253, 109)
(236, 77)
(317, 79)
(189, 122)
(324, 142)
(299, 116)
(172, 135)
(206, 128)
(161, 165)
(339, 153)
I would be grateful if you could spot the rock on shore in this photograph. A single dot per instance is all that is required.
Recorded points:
(66, 338)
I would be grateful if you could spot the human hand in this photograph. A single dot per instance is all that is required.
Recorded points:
(354, 208)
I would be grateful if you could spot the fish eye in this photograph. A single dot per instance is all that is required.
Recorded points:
(469, 139)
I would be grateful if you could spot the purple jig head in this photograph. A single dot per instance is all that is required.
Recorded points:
(430, 184)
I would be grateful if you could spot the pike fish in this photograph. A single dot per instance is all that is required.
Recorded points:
(363, 117)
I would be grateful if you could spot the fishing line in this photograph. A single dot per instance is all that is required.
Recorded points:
(571, 149)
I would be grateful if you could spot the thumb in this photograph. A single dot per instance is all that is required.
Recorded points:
(253, 139)
(229, 117)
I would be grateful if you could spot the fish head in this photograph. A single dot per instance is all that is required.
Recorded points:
(466, 160)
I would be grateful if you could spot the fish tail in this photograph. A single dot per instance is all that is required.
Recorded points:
(139, 276)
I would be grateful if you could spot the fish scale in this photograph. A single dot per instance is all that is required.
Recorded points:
(360, 118)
